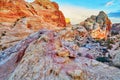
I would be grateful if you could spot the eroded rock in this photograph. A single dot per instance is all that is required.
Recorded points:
(41, 61)
(20, 8)
(22, 18)
(116, 60)
(115, 29)
(99, 26)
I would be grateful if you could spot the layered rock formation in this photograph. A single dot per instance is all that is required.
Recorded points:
(99, 26)
(56, 54)
(12, 10)
(18, 19)
(48, 56)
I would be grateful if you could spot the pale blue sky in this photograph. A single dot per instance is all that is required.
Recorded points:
(111, 7)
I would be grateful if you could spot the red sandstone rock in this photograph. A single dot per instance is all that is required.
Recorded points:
(18, 19)
(11, 10)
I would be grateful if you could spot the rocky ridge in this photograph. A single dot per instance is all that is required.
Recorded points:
(48, 55)
(67, 52)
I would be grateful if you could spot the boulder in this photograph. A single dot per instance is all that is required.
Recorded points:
(116, 60)
(104, 22)
(99, 26)
(115, 29)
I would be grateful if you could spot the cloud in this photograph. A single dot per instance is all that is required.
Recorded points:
(77, 14)
(29, 0)
(109, 3)
(115, 14)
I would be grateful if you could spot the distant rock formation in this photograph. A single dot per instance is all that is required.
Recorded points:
(99, 25)
(115, 29)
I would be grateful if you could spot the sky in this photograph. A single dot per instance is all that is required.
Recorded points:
(79, 10)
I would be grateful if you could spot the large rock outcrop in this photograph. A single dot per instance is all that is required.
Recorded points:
(18, 19)
(12, 10)
(99, 26)
(47, 57)
(56, 55)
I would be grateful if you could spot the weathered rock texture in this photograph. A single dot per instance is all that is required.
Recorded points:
(18, 19)
(116, 60)
(49, 58)
(12, 10)
(55, 55)
(10, 57)
(99, 26)
(115, 29)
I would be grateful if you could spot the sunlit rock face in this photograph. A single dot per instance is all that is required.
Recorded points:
(99, 26)
(11, 10)
(19, 18)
